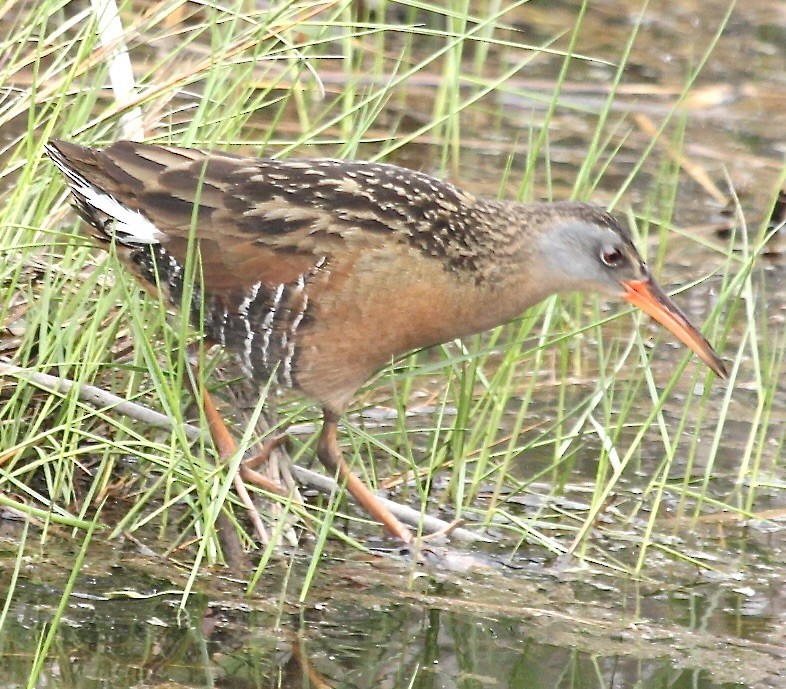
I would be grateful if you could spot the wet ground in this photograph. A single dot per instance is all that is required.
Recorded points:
(714, 618)
(371, 621)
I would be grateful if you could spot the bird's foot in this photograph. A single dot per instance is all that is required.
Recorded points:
(226, 448)
(263, 456)
(442, 533)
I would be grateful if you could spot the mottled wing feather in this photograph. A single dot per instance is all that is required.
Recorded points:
(272, 236)
(164, 184)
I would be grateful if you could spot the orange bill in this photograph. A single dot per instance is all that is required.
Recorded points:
(650, 298)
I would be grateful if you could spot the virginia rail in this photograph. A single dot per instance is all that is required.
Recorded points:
(316, 273)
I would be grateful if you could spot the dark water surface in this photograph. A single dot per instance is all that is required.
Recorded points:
(374, 622)
(714, 619)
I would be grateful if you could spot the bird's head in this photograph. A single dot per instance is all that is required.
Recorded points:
(586, 248)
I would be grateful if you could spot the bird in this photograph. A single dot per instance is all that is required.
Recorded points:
(316, 273)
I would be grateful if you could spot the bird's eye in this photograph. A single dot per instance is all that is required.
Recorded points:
(611, 256)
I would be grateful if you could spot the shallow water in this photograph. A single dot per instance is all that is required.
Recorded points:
(712, 618)
(378, 622)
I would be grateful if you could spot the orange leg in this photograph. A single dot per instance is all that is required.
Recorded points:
(329, 454)
(226, 447)
(268, 445)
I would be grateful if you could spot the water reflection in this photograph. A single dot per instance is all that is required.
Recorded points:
(368, 623)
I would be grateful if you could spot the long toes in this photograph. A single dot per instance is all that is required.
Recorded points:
(268, 445)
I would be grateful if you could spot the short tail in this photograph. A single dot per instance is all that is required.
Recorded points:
(101, 210)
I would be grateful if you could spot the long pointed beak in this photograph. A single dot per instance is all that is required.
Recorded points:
(650, 298)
